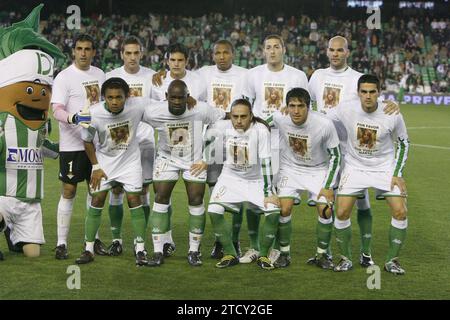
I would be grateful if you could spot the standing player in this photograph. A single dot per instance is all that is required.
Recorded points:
(262, 82)
(70, 93)
(115, 161)
(179, 149)
(310, 159)
(375, 164)
(329, 87)
(246, 178)
(139, 81)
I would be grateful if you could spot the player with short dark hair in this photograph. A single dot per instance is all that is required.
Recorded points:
(75, 87)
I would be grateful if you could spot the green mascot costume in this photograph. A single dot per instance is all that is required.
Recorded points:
(26, 75)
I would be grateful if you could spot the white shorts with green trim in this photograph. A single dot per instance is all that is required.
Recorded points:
(24, 220)
(131, 183)
(231, 192)
(355, 181)
(291, 184)
(166, 170)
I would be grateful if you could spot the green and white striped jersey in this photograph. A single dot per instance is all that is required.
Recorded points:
(21, 159)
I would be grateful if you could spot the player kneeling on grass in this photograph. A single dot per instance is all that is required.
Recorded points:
(115, 161)
(246, 177)
(371, 162)
(310, 159)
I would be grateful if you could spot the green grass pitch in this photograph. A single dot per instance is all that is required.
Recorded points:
(425, 255)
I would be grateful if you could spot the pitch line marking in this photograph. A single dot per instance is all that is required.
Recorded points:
(418, 128)
(430, 146)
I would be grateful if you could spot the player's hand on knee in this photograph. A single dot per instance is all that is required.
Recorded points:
(158, 77)
(273, 199)
(400, 183)
(198, 168)
(328, 194)
(391, 107)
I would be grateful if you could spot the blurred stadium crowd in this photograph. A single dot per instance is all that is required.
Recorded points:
(412, 52)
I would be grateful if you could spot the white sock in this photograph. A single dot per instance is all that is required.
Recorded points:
(64, 214)
(194, 241)
(158, 242)
(90, 247)
(140, 246)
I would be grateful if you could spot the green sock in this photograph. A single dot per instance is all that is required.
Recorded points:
(253, 228)
(138, 223)
(284, 234)
(116, 218)
(146, 214)
(159, 222)
(396, 240)
(344, 238)
(270, 229)
(197, 223)
(222, 232)
(92, 223)
(365, 227)
(237, 223)
(169, 217)
(324, 235)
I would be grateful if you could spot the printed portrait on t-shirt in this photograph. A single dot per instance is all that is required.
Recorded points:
(367, 138)
(120, 134)
(331, 97)
(273, 97)
(221, 97)
(299, 146)
(179, 136)
(135, 91)
(92, 93)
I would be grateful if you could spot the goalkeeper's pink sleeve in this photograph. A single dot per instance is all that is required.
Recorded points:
(59, 112)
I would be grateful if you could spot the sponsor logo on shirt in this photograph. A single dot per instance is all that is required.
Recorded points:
(24, 158)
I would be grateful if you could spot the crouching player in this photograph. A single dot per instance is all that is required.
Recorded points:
(310, 159)
(116, 160)
(371, 162)
(246, 178)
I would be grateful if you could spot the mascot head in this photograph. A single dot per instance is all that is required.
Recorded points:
(26, 76)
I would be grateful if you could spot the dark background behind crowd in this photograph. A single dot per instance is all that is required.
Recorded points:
(410, 50)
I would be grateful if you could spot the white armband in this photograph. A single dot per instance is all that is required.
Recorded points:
(96, 167)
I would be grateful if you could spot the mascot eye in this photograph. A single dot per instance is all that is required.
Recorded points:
(43, 92)
(30, 90)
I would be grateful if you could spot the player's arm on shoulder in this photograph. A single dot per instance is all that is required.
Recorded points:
(391, 107)
(158, 77)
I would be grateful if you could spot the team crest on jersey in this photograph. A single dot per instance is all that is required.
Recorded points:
(23, 158)
(366, 138)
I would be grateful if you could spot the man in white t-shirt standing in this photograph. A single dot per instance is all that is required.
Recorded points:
(266, 87)
(139, 80)
(75, 87)
(329, 87)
